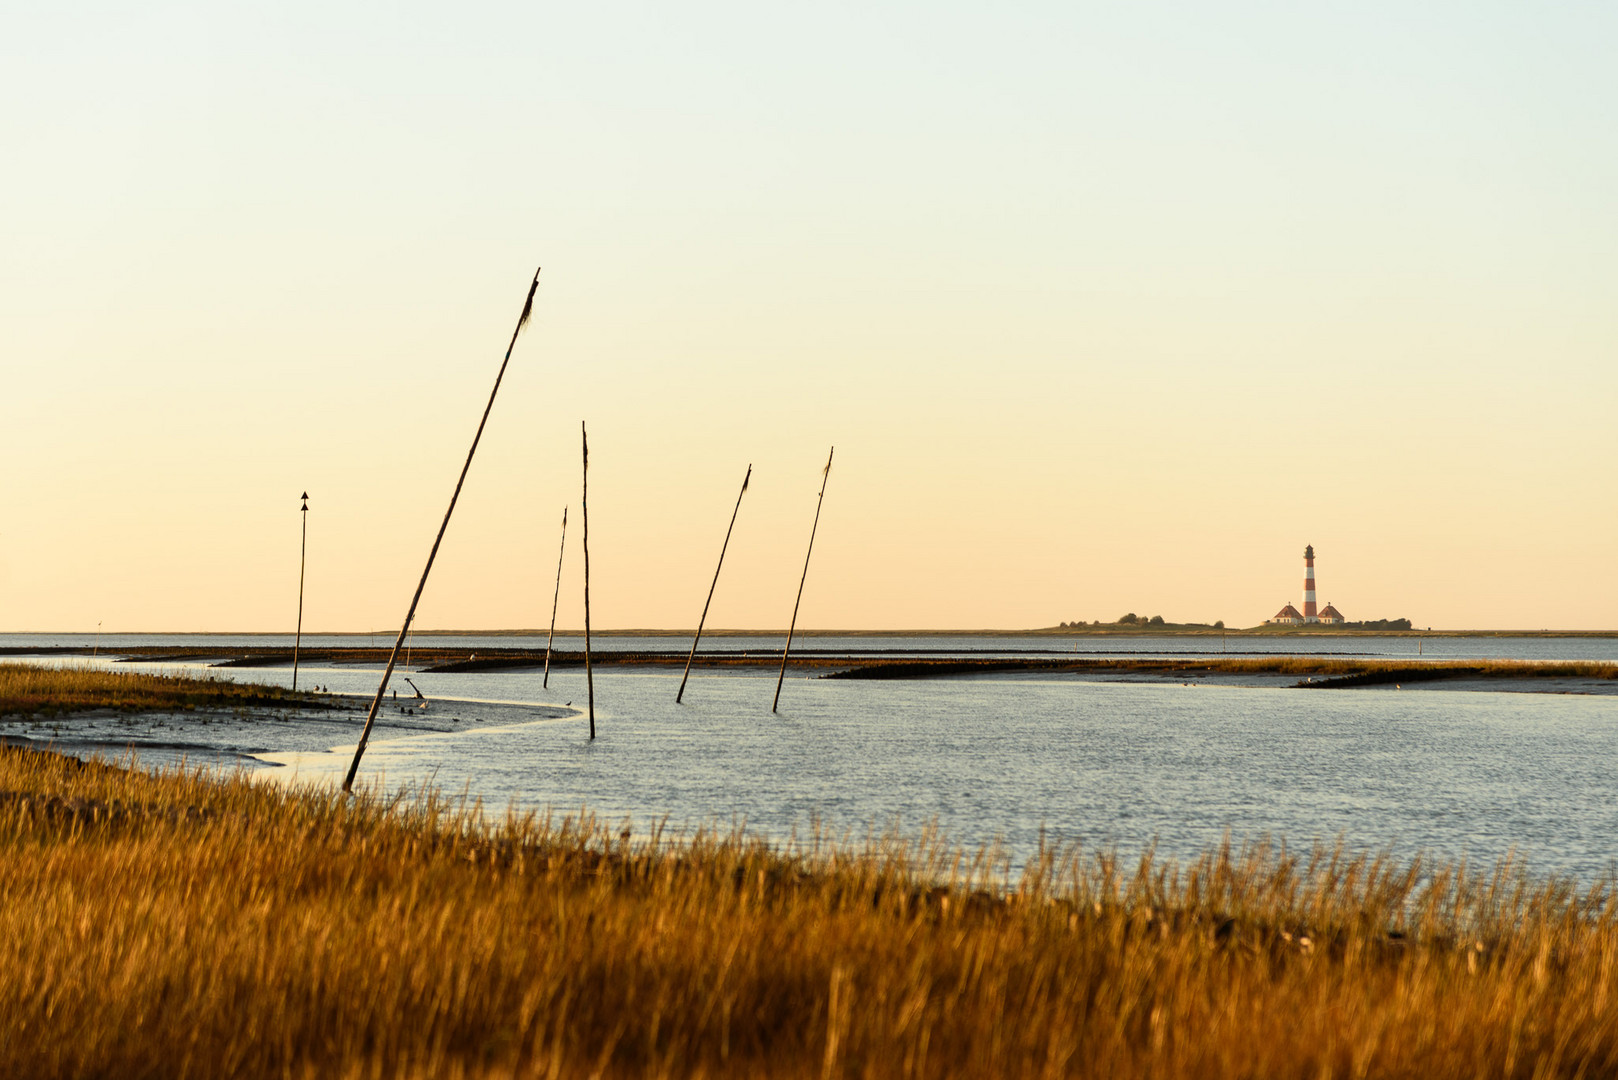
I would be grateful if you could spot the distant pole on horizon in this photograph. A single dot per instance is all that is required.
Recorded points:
(555, 600)
(303, 554)
(584, 510)
(393, 657)
(715, 584)
(825, 475)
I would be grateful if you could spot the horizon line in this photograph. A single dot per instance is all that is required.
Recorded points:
(1261, 629)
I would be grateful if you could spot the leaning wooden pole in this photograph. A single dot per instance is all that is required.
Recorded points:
(824, 476)
(711, 588)
(556, 599)
(584, 509)
(393, 657)
(303, 556)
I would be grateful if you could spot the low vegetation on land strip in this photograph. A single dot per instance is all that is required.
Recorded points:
(79, 688)
(1312, 671)
(180, 925)
(30, 689)
(1156, 624)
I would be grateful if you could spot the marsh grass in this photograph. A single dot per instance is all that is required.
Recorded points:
(180, 925)
(1376, 671)
(48, 690)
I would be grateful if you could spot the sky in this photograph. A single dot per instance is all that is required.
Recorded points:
(1105, 308)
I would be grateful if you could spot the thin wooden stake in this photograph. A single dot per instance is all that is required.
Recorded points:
(554, 601)
(376, 702)
(824, 476)
(584, 509)
(303, 553)
(711, 588)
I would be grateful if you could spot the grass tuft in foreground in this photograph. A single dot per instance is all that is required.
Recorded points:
(32, 689)
(178, 926)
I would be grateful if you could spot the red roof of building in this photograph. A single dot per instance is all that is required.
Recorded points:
(1288, 612)
(1331, 613)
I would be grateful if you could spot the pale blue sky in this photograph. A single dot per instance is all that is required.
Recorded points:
(1106, 307)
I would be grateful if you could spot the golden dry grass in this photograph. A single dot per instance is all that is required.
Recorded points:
(29, 689)
(178, 926)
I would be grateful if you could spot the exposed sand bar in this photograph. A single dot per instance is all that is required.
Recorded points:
(1304, 672)
(167, 718)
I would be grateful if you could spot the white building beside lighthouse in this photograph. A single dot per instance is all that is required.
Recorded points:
(1288, 614)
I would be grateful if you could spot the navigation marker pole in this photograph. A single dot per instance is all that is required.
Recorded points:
(303, 553)
(554, 601)
(824, 476)
(376, 702)
(584, 508)
(711, 588)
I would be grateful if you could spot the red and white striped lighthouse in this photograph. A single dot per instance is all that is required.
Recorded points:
(1309, 613)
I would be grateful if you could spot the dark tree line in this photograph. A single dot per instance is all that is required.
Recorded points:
(1131, 619)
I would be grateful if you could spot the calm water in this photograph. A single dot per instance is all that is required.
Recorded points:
(1452, 772)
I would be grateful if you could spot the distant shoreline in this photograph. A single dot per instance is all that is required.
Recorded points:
(1041, 632)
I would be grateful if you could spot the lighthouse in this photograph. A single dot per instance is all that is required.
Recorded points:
(1291, 616)
(1309, 612)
